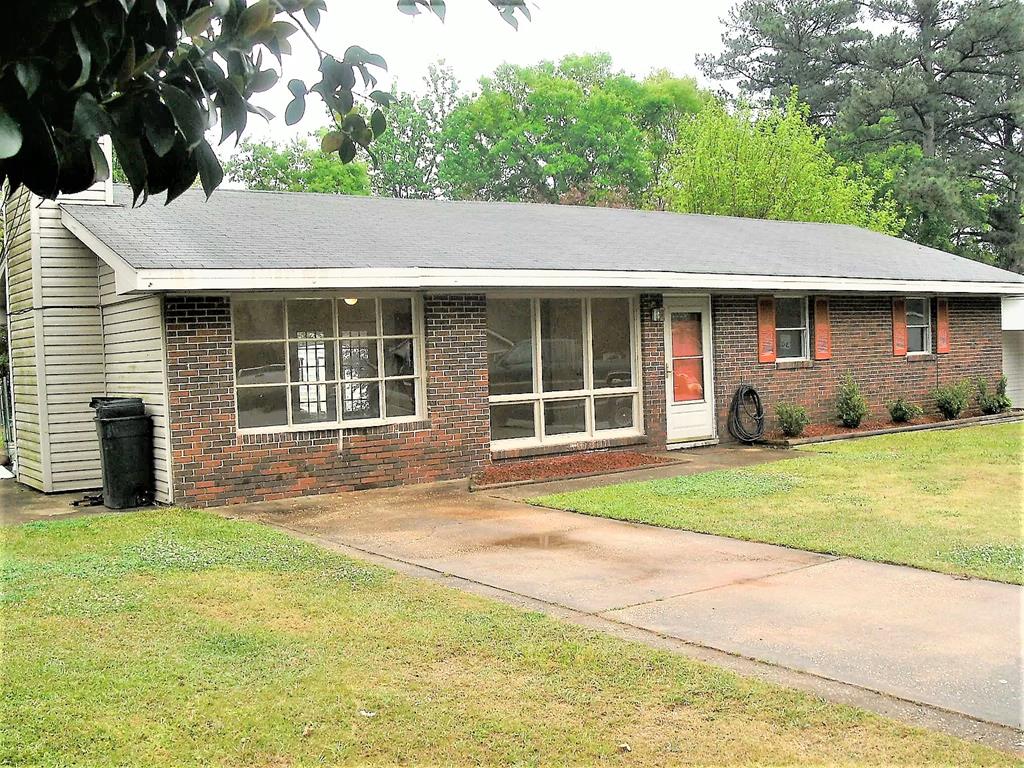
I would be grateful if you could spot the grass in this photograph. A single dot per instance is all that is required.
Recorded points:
(947, 501)
(180, 638)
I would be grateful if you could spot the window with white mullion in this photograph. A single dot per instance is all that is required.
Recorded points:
(792, 339)
(919, 325)
(583, 380)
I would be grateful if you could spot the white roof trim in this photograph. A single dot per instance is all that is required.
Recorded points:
(466, 279)
(124, 273)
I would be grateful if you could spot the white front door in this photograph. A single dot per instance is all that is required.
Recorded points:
(690, 409)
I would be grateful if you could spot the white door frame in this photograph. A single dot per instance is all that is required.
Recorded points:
(707, 431)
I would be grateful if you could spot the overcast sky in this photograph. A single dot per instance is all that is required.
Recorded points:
(641, 35)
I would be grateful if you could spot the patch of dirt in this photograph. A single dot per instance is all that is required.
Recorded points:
(561, 467)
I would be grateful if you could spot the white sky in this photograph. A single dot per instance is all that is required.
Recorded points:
(641, 35)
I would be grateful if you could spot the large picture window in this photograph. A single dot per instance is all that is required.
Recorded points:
(561, 369)
(325, 362)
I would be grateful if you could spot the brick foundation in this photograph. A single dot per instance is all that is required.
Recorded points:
(213, 464)
(862, 346)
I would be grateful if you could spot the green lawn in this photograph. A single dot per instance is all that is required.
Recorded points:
(180, 638)
(948, 501)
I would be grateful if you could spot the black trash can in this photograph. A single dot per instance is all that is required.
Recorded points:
(126, 451)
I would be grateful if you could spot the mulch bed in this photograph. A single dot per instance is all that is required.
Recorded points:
(827, 430)
(563, 467)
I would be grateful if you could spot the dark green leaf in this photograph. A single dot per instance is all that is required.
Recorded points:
(186, 114)
(210, 171)
(233, 115)
(359, 55)
(263, 80)
(254, 20)
(378, 123)
(28, 75)
(266, 114)
(90, 119)
(347, 152)
(331, 141)
(129, 154)
(147, 62)
(297, 88)
(160, 129)
(382, 97)
(294, 111)
(199, 21)
(408, 7)
(312, 14)
(10, 135)
(84, 56)
(437, 6)
(185, 172)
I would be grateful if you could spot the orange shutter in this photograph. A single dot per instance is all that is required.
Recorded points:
(942, 326)
(822, 330)
(766, 330)
(899, 327)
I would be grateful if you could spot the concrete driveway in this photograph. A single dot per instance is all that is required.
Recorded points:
(923, 637)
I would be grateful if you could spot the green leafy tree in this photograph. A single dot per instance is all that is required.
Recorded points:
(772, 46)
(156, 75)
(296, 166)
(409, 154)
(770, 166)
(547, 133)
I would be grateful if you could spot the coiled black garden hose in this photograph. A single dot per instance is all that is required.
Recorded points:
(746, 415)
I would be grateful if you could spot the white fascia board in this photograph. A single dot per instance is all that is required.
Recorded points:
(125, 278)
(420, 278)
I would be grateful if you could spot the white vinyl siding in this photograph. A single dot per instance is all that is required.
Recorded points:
(133, 355)
(18, 220)
(72, 346)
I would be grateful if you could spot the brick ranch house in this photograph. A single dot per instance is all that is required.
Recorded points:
(289, 344)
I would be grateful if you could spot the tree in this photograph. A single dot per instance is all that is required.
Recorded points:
(943, 75)
(155, 76)
(772, 46)
(549, 133)
(770, 166)
(295, 167)
(409, 154)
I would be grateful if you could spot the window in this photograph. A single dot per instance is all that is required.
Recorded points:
(791, 337)
(561, 369)
(919, 325)
(316, 363)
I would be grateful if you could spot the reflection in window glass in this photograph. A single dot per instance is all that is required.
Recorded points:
(791, 335)
(919, 321)
(360, 400)
(563, 417)
(310, 319)
(688, 379)
(258, 319)
(311, 360)
(359, 319)
(512, 421)
(400, 397)
(612, 343)
(789, 312)
(687, 334)
(509, 346)
(561, 344)
(396, 316)
(613, 412)
(260, 363)
(262, 407)
(398, 355)
(313, 403)
(358, 358)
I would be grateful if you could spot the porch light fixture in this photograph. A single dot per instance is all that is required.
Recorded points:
(351, 302)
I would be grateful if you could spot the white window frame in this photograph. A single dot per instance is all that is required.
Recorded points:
(418, 376)
(588, 393)
(927, 324)
(805, 351)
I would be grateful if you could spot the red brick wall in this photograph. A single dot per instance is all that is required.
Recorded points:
(213, 464)
(862, 346)
(652, 362)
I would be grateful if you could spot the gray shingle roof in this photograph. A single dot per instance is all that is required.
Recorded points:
(253, 230)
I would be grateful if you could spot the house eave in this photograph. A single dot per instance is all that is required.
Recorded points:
(420, 278)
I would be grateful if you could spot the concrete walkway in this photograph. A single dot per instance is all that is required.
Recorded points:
(922, 637)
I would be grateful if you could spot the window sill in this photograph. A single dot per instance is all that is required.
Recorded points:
(789, 365)
(332, 426)
(920, 357)
(585, 444)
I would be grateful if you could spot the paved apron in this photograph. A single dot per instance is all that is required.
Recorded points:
(926, 637)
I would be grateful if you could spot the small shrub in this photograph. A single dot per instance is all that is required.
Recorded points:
(996, 402)
(902, 411)
(953, 398)
(851, 407)
(792, 419)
